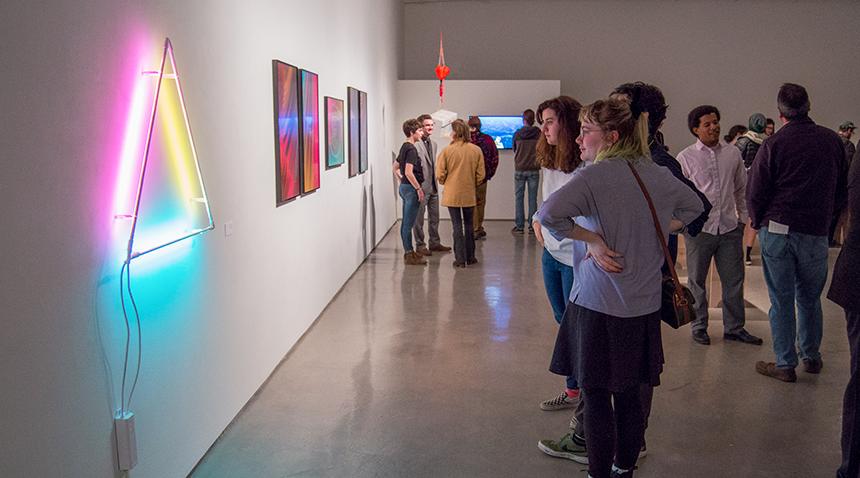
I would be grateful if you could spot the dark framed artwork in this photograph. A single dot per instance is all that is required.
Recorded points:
(354, 116)
(310, 101)
(334, 152)
(362, 128)
(288, 148)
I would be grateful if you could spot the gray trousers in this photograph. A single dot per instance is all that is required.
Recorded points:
(727, 252)
(431, 205)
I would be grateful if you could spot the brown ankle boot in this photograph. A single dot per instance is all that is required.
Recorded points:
(413, 259)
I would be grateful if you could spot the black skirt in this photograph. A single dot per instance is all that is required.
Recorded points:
(606, 352)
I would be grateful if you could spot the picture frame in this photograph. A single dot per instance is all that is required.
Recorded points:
(288, 147)
(354, 130)
(310, 131)
(362, 128)
(334, 132)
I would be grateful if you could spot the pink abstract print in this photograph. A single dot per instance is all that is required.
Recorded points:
(310, 132)
(287, 131)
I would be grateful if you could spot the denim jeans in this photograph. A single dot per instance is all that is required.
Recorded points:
(558, 280)
(410, 211)
(521, 178)
(795, 269)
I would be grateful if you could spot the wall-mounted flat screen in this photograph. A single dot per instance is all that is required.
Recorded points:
(501, 129)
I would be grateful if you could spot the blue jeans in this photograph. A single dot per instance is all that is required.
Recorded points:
(558, 280)
(521, 178)
(410, 212)
(795, 269)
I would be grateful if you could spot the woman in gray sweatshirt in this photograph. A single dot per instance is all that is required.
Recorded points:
(610, 335)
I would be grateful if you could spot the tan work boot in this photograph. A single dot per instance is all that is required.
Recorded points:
(414, 259)
(424, 251)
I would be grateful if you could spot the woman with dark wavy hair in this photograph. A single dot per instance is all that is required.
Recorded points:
(558, 155)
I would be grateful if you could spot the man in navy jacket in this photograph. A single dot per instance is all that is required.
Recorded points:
(793, 187)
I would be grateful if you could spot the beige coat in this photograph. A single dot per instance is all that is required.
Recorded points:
(460, 168)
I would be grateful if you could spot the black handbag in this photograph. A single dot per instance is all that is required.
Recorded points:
(676, 305)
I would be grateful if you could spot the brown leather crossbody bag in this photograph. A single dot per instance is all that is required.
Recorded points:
(676, 306)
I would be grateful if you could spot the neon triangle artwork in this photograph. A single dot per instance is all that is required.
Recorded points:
(171, 203)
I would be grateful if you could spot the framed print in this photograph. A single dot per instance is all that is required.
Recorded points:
(288, 179)
(362, 128)
(310, 101)
(334, 152)
(354, 130)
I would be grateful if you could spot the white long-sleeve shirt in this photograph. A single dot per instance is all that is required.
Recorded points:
(719, 173)
(562, 250)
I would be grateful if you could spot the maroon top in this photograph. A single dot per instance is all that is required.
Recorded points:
(491, 153)
(795, 178)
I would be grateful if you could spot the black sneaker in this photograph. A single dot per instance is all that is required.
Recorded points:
(517, 230)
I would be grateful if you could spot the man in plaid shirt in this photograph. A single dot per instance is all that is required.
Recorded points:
(491, 162)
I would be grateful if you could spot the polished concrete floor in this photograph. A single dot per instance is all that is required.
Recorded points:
(435, 371)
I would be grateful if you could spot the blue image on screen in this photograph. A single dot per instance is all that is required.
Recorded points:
(501, 129)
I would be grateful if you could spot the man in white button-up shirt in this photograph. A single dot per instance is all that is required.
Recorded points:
(717, 169)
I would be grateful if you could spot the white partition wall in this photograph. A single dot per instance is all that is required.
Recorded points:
(476, 97)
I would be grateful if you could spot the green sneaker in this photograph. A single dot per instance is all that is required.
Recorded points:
(565, 448)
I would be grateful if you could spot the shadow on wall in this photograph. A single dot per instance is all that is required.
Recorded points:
(368, 218)
(396, 188)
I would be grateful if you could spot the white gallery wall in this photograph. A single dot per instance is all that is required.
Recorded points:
(218, 312)
(476, 97)
(731, 54)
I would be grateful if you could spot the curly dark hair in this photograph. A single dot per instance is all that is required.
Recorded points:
(648, 98)
(695, 116)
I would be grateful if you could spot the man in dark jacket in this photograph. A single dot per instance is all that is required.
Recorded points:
(526, 171)
(749, 144)
(845, 131)
(654, 103)
(844, 291)
(794, 184)
(750, 141)
(491, 162)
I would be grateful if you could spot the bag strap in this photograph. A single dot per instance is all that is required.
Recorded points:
(660, 237)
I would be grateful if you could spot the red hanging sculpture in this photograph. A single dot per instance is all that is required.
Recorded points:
(442, 71)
